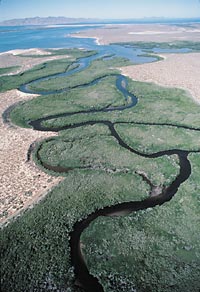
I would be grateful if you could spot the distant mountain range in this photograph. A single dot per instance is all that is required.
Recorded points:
(46, 21)
(51, 20)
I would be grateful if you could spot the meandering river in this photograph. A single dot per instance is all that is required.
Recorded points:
(87, 281)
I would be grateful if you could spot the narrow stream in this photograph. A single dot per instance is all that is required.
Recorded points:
(87, 281)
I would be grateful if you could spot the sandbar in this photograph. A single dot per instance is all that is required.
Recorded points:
(142, 33)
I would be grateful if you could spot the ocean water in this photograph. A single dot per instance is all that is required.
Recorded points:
(25, 37)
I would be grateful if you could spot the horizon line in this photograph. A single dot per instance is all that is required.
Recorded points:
(88, 18)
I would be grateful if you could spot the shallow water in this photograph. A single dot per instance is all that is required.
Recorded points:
(26, 37)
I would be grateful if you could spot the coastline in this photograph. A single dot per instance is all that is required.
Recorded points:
(96, 39)
(32, 51)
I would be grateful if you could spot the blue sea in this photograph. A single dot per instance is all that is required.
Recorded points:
(25, 37)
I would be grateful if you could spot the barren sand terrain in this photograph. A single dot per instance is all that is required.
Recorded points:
(176, 70)
(142, 32)
(22, 183)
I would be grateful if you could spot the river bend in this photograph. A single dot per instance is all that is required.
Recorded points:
(87, 281)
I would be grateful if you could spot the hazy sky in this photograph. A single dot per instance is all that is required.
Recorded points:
(99, 8)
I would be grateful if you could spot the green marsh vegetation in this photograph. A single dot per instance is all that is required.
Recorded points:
(152, 250)
(154, 106)
(96, 96)
(93, 148)
(43, 70)
(195, 46)
(150, 139)
(35, 247)
(97, 69)
(8, 69)
(157, 58)
(73, 53)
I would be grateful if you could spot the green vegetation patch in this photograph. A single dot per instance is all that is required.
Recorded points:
(156, 104)
(35, 248)
(72, 53)
(165, 45)
(165, 105)
(42, 70)
(8, 69)
(150, 139)
(153, 250)
(88, 147)
(157, 57)
(97, 69)
(98, 96)
(38, 71)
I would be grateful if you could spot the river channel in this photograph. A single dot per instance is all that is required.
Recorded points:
(86, 280)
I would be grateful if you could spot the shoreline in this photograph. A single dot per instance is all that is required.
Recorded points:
(31, 51)
(95, 38)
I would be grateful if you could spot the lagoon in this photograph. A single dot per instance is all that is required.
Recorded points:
(55, 36)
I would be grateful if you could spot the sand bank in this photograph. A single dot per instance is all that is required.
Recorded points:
(33, 52)
(143, 32)
(96, 39)
(176, 70)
